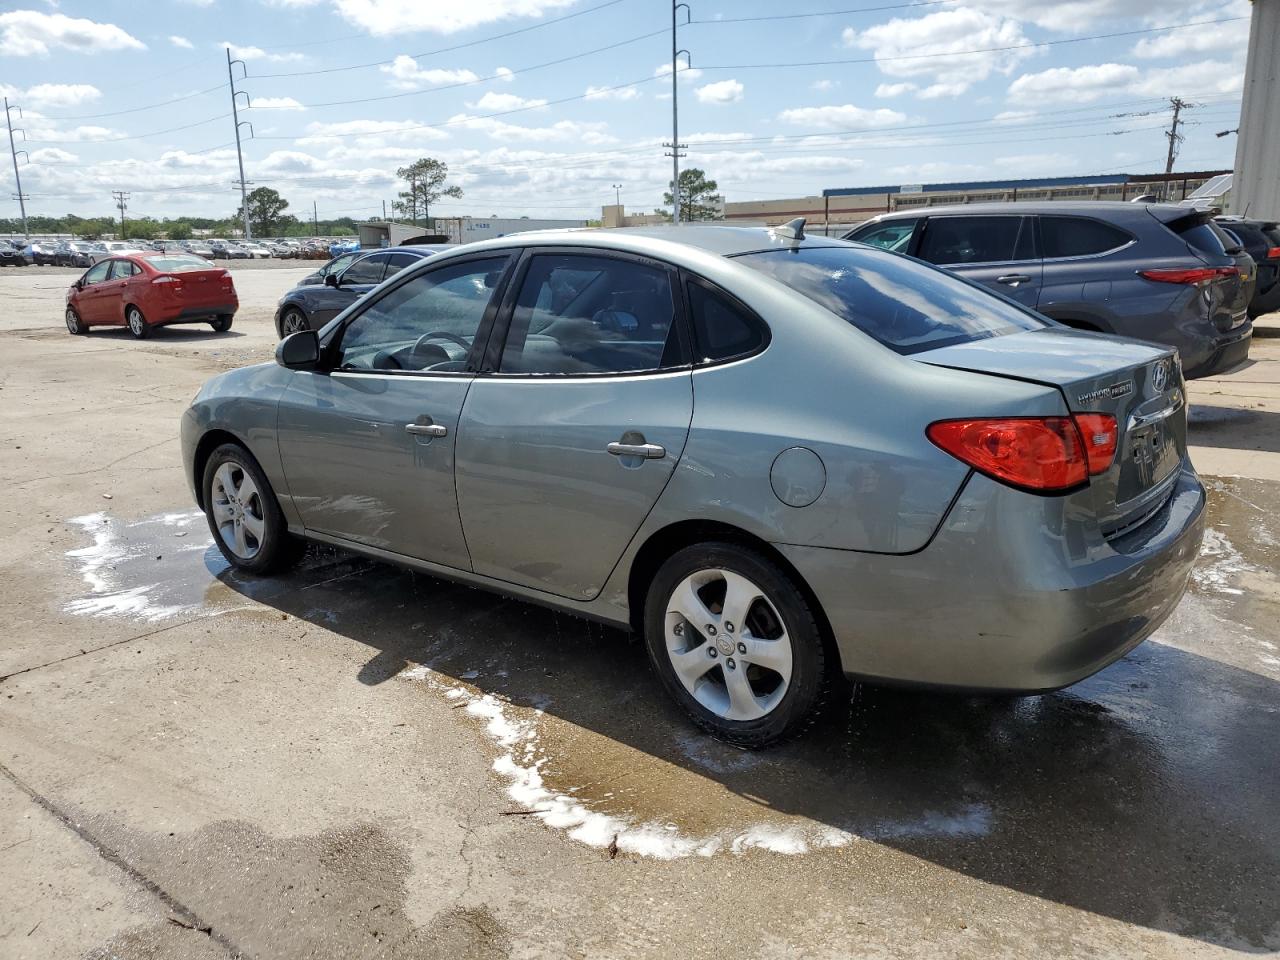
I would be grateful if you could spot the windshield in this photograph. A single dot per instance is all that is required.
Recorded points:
(906, 305)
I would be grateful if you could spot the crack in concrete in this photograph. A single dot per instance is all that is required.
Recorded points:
(108, 466)
(107, 646)
(117, 860)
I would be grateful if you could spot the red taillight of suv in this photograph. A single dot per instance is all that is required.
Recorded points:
(1044, 454)
(1273, 253)
(1191, 275)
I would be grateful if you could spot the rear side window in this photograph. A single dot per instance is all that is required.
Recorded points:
(895, 235)
(721, 328)
(122, 268)
(1079, 237)
(954, 240)
(907, 306)
(1201, 233)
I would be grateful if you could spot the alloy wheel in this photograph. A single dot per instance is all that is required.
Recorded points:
(73, 322)
(237, 510)
(728, 644)
(294, 322)
(137, 325)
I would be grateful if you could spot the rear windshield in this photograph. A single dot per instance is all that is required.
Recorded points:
(906, 305)
(1204, 235)
(179, 263)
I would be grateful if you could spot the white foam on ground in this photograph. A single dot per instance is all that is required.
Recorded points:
(520, 764)
(1220, 564)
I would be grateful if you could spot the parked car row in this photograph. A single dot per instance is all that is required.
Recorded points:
(1163, 273)
(869, 430)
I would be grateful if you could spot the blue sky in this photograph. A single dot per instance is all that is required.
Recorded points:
(134, 97)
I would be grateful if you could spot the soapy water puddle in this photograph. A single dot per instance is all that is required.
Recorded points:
(583, 741)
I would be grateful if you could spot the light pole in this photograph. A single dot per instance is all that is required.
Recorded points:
(617, 194)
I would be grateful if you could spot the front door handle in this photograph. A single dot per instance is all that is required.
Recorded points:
(649, 451)
(426, 429)
(1013, 279)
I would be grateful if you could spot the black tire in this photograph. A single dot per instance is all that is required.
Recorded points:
(222, 323)
(293, 320)
(799, 705)
(75, 325)
(278, 549)
(136, 322)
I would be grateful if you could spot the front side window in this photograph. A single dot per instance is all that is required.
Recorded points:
(1078, 237)
(98, 272)
(894, 235)
(582, 314)
(906, 305)
(429, 323)
(338, 264)
(367, 270)
(958, 240)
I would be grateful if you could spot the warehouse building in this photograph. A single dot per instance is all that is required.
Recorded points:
(388, 233)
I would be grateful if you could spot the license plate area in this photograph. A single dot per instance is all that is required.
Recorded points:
(1152, 456)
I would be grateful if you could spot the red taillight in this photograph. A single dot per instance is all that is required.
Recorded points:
(1037, 453)
(170, 283)
(1193, 275)
(1100, 436)
(1273, 253)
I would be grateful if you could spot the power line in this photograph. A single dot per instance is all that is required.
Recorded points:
(141, 136)
(847, 11)
(149, 106)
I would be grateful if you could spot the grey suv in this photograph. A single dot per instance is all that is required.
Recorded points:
(1157, 272)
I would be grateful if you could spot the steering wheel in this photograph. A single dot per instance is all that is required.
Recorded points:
(443, 335)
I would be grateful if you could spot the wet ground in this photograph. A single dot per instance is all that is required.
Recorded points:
(359, 761)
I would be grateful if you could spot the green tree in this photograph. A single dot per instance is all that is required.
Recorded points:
(265, 207)
(426, 179)
(698, 197)
(178, 230)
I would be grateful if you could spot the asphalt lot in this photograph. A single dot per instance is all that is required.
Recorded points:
(339, 763)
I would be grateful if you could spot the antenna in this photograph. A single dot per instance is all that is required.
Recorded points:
(791, 230)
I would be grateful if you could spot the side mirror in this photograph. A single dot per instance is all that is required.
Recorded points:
(330, 279)
(299, 351)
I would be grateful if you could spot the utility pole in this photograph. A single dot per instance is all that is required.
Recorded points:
(675, 143)
(19, 196)
(384, 210)
(1172, 133)
(122, 202)
(235, 118)
(617, 195)
(315, 218)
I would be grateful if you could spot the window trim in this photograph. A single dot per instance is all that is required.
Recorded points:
(1080, 256)
(332, 340)
(502, 326)
(918, 239)
(753, 317)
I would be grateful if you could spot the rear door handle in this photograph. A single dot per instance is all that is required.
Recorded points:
(1013, 279)
(649, 451)
(426, 429)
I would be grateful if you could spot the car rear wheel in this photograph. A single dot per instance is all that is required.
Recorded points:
(222, 323)
(736, 643)
(293, 321)
(243, 514)
(74, 324)
(137, 323)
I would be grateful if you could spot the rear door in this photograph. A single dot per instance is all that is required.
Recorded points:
(998, 250)
(566, 445)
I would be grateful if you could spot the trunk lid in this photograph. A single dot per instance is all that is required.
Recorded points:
(1140, 384)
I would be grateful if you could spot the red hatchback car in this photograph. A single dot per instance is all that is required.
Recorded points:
(145, 290)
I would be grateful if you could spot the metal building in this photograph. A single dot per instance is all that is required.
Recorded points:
(1256, 189)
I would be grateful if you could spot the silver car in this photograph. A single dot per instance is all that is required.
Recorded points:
(779, 459)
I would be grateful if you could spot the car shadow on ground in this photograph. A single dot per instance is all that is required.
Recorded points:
(187, 334)
(1233, 428)
(1146, 794)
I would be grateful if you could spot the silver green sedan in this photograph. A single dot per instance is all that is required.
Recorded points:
(779, 459)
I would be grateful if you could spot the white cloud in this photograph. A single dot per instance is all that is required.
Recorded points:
(182, 42)
(369, 131)
(1073, 84)
(687, 74)
(722, 91)
(932, 46)
(388, 17)
(1202, 39)
(1076, 16)
(571, 130)
(52, 95)
(844, 117)
(824, 84)
(500, 102)
(1206, 76)
(1013, 116)
(52, 155)
(257, 53)
(407, 74)
(887, 90)
(275, 103)
(30, 33)
(604, 93)
(504, 73)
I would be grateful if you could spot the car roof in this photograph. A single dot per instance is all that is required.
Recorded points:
(722, 240)
(1104, 208)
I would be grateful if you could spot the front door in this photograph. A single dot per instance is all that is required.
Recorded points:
(566, 447)
(368, 447)
(92, 299)
(998, 251)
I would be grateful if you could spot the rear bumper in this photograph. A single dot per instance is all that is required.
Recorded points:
(1013, 594)
(198, 314)
(1229, 350)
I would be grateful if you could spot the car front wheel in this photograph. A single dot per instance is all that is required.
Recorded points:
(293, 321)
(736, 643)
(74, 324)
(243, 514)
(137, 323)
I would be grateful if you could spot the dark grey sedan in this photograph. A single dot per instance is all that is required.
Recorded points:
(777, 458)
(1158, 272)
